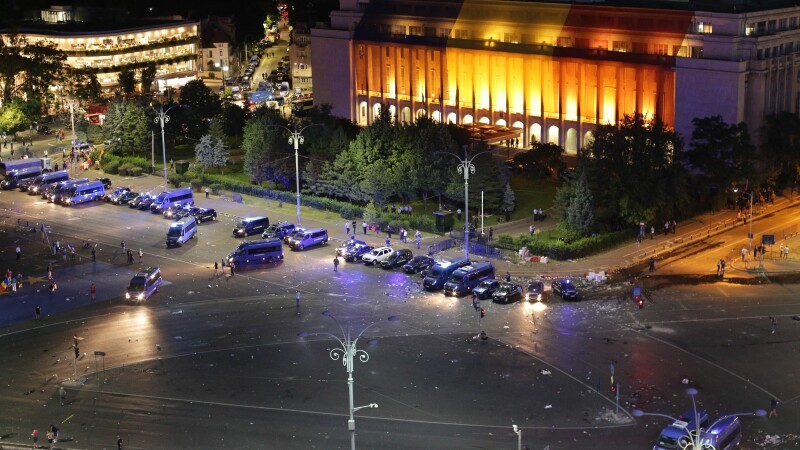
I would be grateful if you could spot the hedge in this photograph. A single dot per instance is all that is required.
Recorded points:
(561, 243)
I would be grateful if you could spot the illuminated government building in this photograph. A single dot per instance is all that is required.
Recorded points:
(552, 71)
(105, 41)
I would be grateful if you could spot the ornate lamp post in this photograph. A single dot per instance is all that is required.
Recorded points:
(693, 439)
(347, 352)
(162, 118)
(296, 138)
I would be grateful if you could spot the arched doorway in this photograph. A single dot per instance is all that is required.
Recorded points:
(392, 113)
(501, 122)
(376, 111)
(536, 133)
(587, 139)
(467, 119)
(436, 116)
(552, 135)
(362, 113)
(571, 143)
(405, 115)
(451, 118)
(485, 120)
(420, 113)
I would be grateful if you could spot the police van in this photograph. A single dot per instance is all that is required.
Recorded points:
(43, 181)
(673, 434)
(438, 274)
(93, 190)
(56, 191)
(144, 284)
(181, 231)
(257, 252)
(463, 280)
(178, 197)
(724, 434)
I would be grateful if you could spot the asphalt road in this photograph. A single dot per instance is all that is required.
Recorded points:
(219, 362)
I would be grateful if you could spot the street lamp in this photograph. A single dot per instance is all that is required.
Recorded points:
(296, 138)
(518, 431)
(692, 439)
(347, 352)
(72, 103)
(162, 118)
(750, 220)
(466, 167)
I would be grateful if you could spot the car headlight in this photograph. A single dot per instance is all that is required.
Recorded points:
(140, 296)
(127, 296)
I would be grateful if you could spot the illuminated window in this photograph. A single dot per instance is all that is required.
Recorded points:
(601, 44)
(415, 31)
(399, 29)
(704, 27)
(444, 32)
(661, 49)
(510, 37)
(564, 42)
(749, 29)
(462, 34)
(620, 46)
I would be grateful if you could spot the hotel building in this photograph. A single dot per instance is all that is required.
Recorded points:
(553, 71)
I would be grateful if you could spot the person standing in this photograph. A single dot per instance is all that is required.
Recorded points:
(652, 232)
(335, 263)
(531, 229)
(62, 394)
(491, 233)
(216, 268)
(354, 227)
(719, 266)
(347, 228)
(773, 407)
(93, 292)
(141, 253)
(233, 268)
(19, 253)
(508, 277)
(94, 255)
(37, 311)
(119, 443)
(297, 297)
(476, 302)
(652, 264)
(35, 437)
(206, 192)
(364, 226)
(723, 267)
(418, 237)
(744, 253)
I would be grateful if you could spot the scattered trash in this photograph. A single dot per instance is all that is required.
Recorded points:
(548, 406)
(545, 372)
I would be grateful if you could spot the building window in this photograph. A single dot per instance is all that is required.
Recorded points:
(601, 44)
(386, 28)
(771, 26)
(444, 32)
(620, 46)
(415, 31)
(399, 29)
(430, 31)
(677, 50)
(704, 27)
(582, 43)
(387, 51)
(661, 49)
(793, 23)
(564, 42)
(302, 66)
(749, 29)
(462, 34)
(511, 37)
(761, 28)
(782, 24)
(640, 47)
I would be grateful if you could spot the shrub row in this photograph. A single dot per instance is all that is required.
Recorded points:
(125, 166)
(561, 243)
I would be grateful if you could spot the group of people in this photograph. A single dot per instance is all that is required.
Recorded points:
(784, 251)
(231, 265)
(402, 209)
(513, 143)
(721, 267)
(538, 214)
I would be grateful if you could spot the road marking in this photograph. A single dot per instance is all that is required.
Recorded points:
(721, 291)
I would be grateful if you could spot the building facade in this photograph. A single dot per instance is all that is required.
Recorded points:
(300, 59)
(106, 46)
(554, 71)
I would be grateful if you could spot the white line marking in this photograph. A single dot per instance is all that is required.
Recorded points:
(721, 291)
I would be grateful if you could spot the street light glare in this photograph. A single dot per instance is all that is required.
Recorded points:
(637, 413)
(760, 413)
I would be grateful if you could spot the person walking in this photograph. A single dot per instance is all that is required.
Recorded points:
(62, 394)
(719, 266)
(723, 267)
(206, 192)
(744, 254)
(773, 325)
(508, 277)
(216, 268)
(35, 437)
(19, 253)
(335, 263)
(49, 272)
(652, 232)
(476, 302)
(418, 237)
(94, 255)
(297, 297)
(347, 228)
(773, 407)
(364, 226)
(119, 443)
(93, 292)
(37, 311)
(652, 264)
(141, 253)
(233, 268)
(491, 233)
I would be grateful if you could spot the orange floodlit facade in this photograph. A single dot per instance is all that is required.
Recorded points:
(551, 71)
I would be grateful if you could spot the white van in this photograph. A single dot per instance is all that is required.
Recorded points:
(181, 231)
(144, 284)
(177, 197)
(93, 190)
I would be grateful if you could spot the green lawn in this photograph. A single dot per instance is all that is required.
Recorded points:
(532, 193)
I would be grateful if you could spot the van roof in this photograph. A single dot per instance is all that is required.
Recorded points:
(147, 271)
(251, 219)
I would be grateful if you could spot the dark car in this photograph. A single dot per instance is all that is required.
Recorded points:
(106, 181)
(135, 202)
(507, 293)
(354, 254)
(278, 230)
(535, 291)
(144, 204)
(486, 288)
(565, 289)
(125, 197)
(115, 194)
(173, 211)
(340, 250)
(288, 236)
(205, 214)
(185, 212)
(397, 259)
(418, 264)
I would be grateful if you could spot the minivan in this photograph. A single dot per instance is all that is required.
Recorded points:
(725, 434)
(44, 181)
(181, 231)
(310, 238)
(438, 274)
(257, 252)
(144, 284)
(463, 280)
(178, 197)
(93, 190)
(671, 435)
(250, 225)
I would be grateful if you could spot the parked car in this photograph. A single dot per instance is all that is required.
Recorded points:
(486, 288)
(377, 255)
(565, 288)
(126, 197)
(397, 259)
(340, 250)
(106, 181)
(115, 194)
(138, 200)
(173, 211)
(288, 236)
(354, 254)
(205, 214)
(507, 293)
(278, 230)
(535, 291)
(418, 264)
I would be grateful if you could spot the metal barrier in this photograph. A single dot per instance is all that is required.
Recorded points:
(441, 246)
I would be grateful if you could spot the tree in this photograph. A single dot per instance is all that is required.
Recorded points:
(127, 82)
(204, 152)
(27, 69)
(232, 118)
(580, 211)
(12, 119)
(197, 96)
(147, 76)
(721, 151)
(782, 148)
(509, 199)
(370, 213)
(221, 155)
(87, 87)
(266, 149)
(128, 126)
